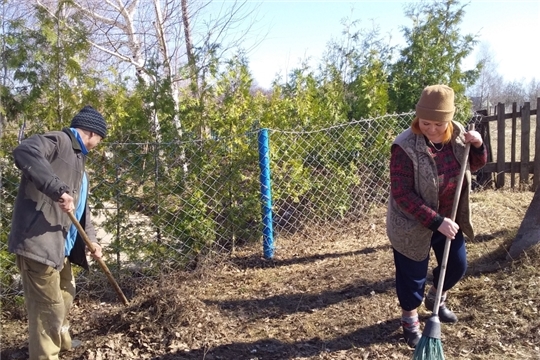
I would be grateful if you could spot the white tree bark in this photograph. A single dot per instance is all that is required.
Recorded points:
(156, 39)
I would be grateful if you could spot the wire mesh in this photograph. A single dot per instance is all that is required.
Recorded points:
(161, 207)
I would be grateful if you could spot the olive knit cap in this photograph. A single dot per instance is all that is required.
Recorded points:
(436, 103)
(91, 120)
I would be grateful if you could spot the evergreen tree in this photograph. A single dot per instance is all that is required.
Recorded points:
(433, 55)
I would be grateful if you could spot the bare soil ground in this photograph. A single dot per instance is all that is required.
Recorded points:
(325, 295)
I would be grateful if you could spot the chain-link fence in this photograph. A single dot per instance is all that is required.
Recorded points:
(161, 207)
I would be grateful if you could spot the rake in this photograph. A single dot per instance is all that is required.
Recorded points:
(430, 347)
(101, 263)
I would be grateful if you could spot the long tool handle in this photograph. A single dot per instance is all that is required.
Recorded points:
(101, 263)
(447, 244)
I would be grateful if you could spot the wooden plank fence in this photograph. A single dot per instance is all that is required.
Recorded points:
(497, 168)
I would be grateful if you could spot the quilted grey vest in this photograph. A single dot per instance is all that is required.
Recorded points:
(406, 234)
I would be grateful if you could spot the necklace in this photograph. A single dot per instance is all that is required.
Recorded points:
(435, 147)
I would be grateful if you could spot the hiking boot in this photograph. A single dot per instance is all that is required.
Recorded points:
(411, 333)
(445, 314)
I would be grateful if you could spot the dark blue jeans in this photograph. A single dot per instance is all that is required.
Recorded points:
(411, 275)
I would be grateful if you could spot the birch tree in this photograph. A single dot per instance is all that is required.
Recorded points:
(163, 40)
(489, 84)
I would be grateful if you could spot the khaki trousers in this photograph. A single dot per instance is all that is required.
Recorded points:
(48, 295)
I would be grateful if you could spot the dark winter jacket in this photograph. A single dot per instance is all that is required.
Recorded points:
(51, 164)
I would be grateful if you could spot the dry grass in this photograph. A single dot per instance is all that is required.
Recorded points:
(326, 295)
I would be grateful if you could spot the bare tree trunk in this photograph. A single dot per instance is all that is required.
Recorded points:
(159, 26)
(133, 43)
(192, 63)
(143, 33)
(193, 71)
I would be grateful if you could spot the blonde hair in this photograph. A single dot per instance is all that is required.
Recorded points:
(415, 127)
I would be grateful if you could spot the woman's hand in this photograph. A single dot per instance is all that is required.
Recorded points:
(473, 137)
(449, 228)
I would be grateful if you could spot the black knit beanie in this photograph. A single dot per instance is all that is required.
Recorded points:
(90, 119)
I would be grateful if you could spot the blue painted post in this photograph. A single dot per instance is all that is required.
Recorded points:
(266, 194)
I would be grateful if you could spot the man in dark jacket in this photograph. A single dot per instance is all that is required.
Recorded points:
(53, 183)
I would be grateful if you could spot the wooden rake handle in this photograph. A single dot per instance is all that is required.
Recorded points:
(101, 263)
(447, 244)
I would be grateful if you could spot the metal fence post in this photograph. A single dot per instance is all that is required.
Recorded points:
(266, 193)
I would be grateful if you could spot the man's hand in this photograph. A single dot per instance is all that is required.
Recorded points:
(66, 203)
(98, 253)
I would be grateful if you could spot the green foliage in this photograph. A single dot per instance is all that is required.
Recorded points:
(188, 195)
(359, 63)
(126, 117)
(48, 84)
(225, 167)
(433, 55)
(7, 265)
(178, 174)
(9, 180)
(351, 83)
(371, 90)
